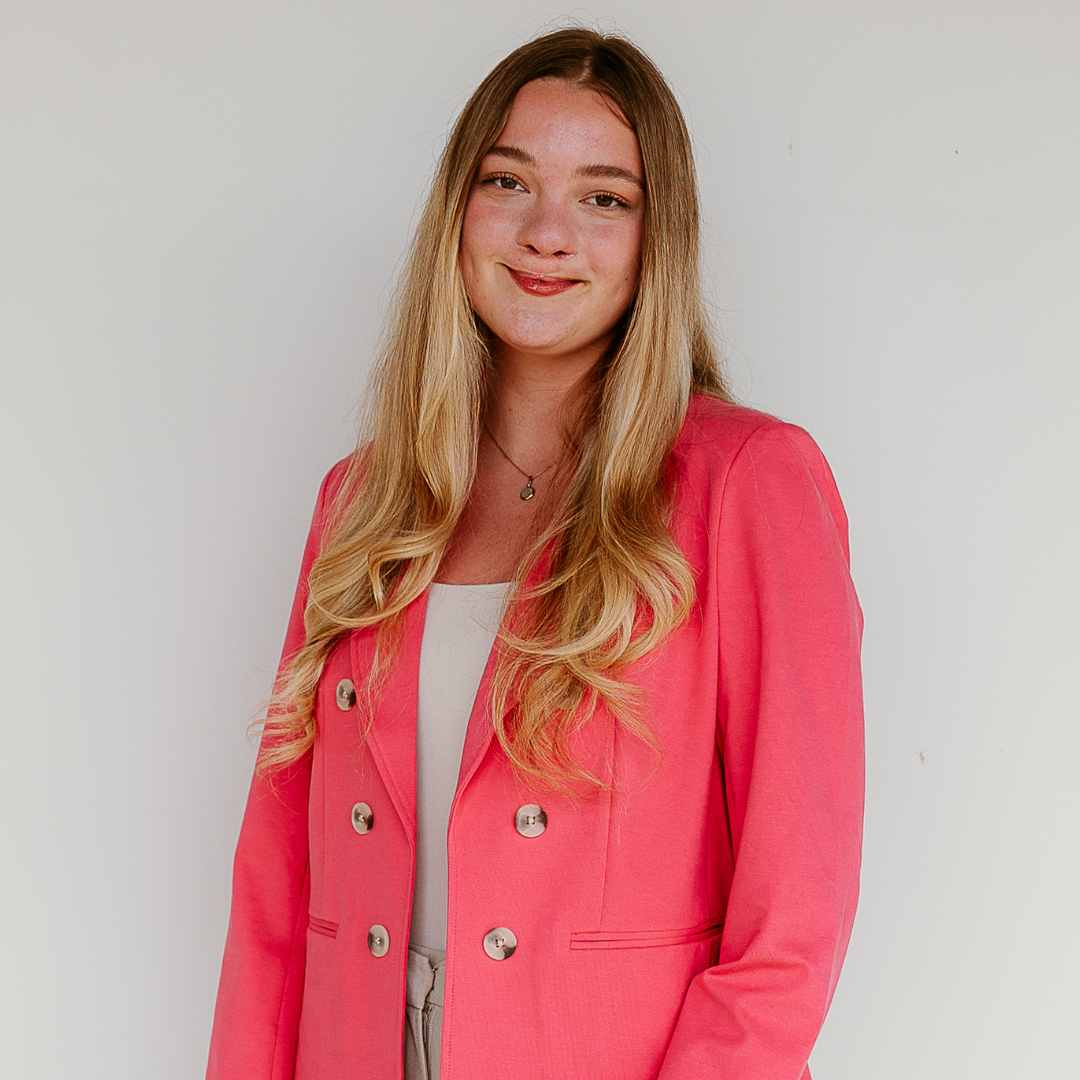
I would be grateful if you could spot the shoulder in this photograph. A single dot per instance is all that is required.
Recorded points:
(735, 462)
(336, 492)
(332, 488)
(335, 480)
(717, 434)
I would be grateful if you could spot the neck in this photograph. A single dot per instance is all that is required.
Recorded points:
(530, 404)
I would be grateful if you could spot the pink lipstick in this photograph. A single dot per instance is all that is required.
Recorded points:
(541, 286)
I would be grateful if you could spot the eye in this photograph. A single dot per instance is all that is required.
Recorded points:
(504, 182)
(606, 200)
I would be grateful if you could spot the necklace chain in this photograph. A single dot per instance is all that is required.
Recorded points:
(528, 491)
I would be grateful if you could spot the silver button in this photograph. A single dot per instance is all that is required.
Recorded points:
(346, 695)
(500, 943)
(363, 820)
(530, 820)
(378, 940)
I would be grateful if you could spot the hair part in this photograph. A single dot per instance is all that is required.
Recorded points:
(605, 583)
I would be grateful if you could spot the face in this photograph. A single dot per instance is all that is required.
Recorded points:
(551, 240)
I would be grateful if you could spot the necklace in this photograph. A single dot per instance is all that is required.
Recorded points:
(528, 491)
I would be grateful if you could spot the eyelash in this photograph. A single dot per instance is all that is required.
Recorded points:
(494, 179)
(619, 200)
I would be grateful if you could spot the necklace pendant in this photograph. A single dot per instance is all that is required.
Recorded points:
(528, 491)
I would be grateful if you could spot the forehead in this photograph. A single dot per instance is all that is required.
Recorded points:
(560, 121)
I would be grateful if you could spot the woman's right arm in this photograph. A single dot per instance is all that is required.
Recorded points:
(262, 974)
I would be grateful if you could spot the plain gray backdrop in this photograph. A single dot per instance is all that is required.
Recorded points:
(202, 206)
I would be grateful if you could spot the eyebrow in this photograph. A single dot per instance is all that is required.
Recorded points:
(595, 172)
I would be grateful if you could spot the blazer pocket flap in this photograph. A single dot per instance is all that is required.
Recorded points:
(645, 939)
(323, 926)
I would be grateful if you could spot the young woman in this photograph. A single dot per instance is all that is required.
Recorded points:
(563, 777)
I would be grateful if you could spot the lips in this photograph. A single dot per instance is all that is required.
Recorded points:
(541, 286)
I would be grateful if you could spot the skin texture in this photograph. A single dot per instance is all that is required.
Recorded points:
(550, 254)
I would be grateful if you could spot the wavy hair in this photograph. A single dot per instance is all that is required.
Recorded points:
(605, 582)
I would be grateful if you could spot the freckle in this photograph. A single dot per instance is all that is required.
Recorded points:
(922, 757)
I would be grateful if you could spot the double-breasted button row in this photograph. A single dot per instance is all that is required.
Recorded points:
(363, 820)
(499, 943)
(530, 820)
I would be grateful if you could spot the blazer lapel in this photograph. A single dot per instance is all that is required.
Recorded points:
(392, 734)
(480, 731)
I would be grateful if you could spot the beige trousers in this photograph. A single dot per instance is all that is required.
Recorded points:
(423, 1012)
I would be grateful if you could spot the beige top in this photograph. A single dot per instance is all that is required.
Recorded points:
(459, 630)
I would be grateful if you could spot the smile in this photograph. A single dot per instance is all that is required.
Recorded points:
(541, 286)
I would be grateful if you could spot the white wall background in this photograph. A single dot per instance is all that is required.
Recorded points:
(201, 205)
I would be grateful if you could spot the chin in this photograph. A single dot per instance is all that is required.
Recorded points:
(548, 350)
(548, 341)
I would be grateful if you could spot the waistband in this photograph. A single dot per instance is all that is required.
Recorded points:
(425, 977)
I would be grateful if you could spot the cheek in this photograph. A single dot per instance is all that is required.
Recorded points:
(470, 250)
(480, 229)
(482, 238)
(618, 255)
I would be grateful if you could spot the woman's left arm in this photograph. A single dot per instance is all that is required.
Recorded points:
(791, 743)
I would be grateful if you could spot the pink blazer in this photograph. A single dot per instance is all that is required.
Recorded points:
(691, 926)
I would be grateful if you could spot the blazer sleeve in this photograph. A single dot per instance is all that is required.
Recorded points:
(790, 735)
(262, 975)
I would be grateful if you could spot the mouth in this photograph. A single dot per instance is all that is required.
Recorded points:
(541, 286)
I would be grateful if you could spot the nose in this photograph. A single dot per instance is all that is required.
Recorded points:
(547, 227)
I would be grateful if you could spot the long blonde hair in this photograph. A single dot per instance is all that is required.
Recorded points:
(606, 580)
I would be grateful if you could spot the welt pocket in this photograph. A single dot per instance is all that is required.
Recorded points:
(645, 939)
(323, 926)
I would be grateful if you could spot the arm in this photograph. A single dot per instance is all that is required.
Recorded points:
(262, 974)
(790, 739)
